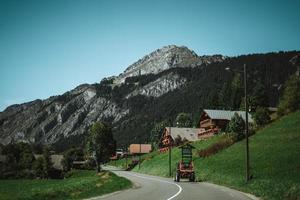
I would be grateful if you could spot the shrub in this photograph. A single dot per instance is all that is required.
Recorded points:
(237, 126)
(291, 95)
(261, 116)
(71, 155)
(184, 120)
(39, 167)
(216, 147)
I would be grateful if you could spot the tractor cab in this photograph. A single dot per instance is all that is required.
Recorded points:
(185, 168)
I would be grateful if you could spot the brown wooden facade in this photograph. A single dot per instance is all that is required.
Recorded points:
(167, 140)
(209, 126)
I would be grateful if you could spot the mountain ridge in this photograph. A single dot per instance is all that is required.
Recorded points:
(135, 103)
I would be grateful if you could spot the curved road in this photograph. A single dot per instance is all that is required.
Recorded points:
(157, 188)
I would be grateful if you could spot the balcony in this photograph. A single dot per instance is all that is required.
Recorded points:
(206, 123)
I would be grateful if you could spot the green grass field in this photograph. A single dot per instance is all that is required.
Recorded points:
(274, 160)
(80, 184)
(157, 163)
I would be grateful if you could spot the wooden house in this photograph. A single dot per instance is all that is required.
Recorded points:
(140, 148)
(212, 121)
(171, 133)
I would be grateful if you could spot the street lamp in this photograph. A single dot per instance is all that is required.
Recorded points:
(246, 119)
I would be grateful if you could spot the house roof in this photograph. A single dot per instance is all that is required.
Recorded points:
(226, 114)
(191, 134)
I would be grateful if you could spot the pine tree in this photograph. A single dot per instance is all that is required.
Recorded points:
(291, 96)
(237, 126)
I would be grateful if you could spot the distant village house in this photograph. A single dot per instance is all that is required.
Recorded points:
(212, 121)
(171, 134)
(140, 148)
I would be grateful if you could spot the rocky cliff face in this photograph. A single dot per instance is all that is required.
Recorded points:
(56, 118)
(160, 86)
(71, 114)
(165, 58)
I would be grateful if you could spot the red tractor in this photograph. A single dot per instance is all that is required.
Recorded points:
(185, 168)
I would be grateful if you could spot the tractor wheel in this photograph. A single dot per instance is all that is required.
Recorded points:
(177, 177)
(192, 177)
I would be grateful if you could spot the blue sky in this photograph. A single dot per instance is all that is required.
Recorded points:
(50, 47)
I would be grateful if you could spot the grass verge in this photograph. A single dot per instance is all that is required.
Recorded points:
(79, 184)
(274, 162)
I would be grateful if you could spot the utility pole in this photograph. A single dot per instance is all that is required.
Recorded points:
(170, 146)
(246, 120)
(126, 152)
(140, 154)
(246, 125)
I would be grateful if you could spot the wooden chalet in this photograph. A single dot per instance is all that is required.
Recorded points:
(171, 133)
(212, 121)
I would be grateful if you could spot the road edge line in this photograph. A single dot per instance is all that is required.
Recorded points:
(151, 178)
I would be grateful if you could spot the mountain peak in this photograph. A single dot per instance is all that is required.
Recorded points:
(164, 58)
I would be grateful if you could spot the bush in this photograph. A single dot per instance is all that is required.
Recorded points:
(261, 116)
(237, 126)
(216, 147)
(90, 164)
(71, 155)
(184, 120)
(291, 95)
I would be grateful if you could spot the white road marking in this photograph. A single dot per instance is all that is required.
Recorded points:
(154, 179)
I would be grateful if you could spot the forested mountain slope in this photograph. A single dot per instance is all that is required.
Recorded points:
(156, 88)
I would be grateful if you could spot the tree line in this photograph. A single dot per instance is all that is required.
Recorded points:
(22, 160)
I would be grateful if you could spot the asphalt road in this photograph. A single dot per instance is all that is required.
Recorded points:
(157, 188)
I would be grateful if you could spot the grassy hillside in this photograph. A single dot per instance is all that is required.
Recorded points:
(157, 163)
(274, 160)
(79, 185)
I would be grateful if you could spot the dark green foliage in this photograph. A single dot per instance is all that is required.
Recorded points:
(48, 164)
(290, 101)
(259, 97)
(261, 116)
(20, 162)
(156, 133)
(101, 143)
(71, 155)
(103, 90)
(209, 87)
(237, 126)
(19, 159)
(236, 91)
(141, 80)
(1, 148)
(183, 120)
(65, 143)
(40, 167)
